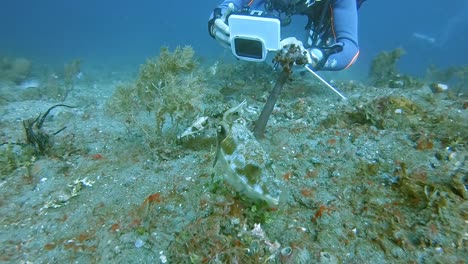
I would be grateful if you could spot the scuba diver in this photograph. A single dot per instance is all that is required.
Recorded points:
(331, 40)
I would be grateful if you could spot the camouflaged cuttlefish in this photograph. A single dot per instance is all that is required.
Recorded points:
(242, 160)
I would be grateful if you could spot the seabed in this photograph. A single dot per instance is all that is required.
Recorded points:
(379, 178)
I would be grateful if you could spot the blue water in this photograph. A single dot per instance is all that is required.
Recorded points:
(118, 32)
(385, 25)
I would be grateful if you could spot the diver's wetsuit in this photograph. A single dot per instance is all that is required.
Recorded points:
(344, 27)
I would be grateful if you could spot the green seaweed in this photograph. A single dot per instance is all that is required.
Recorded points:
(171, 87)
(70, 72)
(12, 158)
(384, 71)
(384, 68)
(124, 100)
(157, 73)
(455, 76)
(54, 87)
(14, 70)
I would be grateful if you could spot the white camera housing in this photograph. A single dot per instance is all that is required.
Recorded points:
(253, 34)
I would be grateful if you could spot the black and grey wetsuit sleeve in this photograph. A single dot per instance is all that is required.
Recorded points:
(345, 29)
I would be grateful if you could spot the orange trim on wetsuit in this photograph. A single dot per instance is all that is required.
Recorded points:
(332, 23)
(250, 3)
(352, 60)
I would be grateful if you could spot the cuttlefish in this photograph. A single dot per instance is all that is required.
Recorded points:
(245, 165)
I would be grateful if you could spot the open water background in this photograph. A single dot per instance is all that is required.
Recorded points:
(124, 33)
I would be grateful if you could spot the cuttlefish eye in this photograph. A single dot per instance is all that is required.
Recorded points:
(221, 132)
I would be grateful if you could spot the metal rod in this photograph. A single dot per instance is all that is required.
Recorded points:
(325, 82)
(259, 130)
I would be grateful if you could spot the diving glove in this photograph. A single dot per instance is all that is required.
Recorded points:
(294, 41)
(316, 61)
(315, 57)
(321, 55)
(218, 27)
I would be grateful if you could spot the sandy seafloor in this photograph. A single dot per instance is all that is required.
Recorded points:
(380, 178)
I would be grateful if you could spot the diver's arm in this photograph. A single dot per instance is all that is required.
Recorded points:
(238, 4)
(222, 9)
(345, 25)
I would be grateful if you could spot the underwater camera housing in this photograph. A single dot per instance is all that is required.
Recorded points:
(253, 34)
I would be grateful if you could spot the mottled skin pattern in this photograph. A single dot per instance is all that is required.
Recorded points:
(244, 163)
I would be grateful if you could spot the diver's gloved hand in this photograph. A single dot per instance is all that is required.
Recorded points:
(320, 55)
(316, 61)
(294, 41)
(218, 28)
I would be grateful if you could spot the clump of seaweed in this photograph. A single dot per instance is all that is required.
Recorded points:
(457, 76)
(12, 157)
(387, 112)
(220, 233)
(50, 87)
(158, 73)
(229, 236)
(70, 72)
(14, 70)
(36, 136)
(384, 72)
(171, 88)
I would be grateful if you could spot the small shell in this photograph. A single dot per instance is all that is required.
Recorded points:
(197, 126)
(245, 164)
